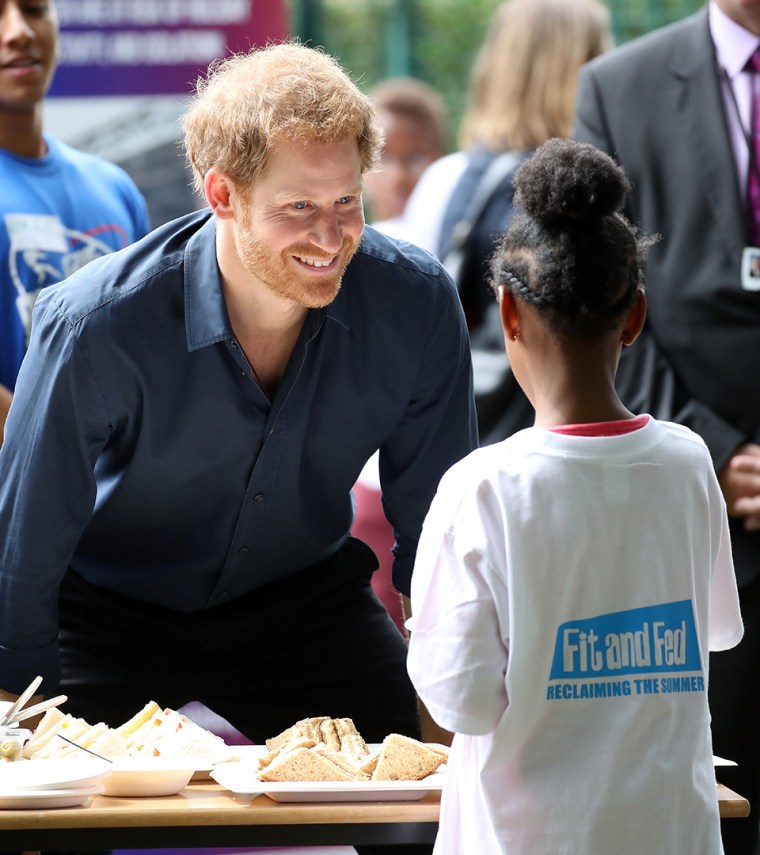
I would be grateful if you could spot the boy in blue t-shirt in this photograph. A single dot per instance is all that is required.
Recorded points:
(59, 208)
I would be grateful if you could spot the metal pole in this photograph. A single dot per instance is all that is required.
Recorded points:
(308, 20)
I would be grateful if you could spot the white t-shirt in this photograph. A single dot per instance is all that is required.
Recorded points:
(422, 218)
(566, 592)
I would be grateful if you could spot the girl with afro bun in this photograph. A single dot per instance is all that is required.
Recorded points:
(571, 580)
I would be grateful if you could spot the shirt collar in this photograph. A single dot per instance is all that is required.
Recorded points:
(734, 44)
(206, 318)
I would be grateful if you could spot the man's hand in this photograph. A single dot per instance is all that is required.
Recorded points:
(740, 481)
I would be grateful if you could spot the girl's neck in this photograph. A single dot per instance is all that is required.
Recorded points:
(578, 391)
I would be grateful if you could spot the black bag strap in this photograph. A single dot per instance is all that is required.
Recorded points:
(496, 171)
(494, 383)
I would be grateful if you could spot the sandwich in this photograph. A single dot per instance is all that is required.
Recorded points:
(106, 741)
(305, 764)
(325, 749)
(48, 744)
(138, 719)
(151, 731)
(402, 758)
(44, 732)
(337, 734)
(168, 733)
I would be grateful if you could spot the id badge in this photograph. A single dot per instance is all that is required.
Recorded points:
(751, 268)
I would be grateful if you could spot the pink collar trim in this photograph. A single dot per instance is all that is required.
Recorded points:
(615, 428)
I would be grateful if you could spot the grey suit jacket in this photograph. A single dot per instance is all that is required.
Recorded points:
(655, 105)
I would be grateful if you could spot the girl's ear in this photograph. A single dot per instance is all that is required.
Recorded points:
(510, 320)
(634, 323)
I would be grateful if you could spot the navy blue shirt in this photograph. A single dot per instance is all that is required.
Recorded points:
(141, 452)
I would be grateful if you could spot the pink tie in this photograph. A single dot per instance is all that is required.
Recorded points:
(753, 169)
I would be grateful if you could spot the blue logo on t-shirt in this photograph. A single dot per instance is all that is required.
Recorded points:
(615, 655)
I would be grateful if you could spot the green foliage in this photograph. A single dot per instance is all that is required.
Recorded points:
(437, 40)
(632, 18)
(454, 33)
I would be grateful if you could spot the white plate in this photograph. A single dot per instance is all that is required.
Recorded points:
(52, 774)
(251, 753)
(148, 776)
(241, 778)
(44, 799)
(202, 774)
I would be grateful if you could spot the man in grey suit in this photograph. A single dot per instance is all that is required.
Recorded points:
(675, 109)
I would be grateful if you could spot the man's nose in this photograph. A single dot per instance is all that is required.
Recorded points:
(327, 232)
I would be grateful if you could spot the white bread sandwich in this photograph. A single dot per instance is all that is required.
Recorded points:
(44, 732)
(104, 740)
(138, 719)
(45, 742)
(84, 738)
(169, 733)
(151, 731)
(70, 727)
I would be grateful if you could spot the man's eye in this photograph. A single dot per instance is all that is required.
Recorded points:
(299, 206)
(345, 200)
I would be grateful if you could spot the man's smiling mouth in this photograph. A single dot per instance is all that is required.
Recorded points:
(315, 262)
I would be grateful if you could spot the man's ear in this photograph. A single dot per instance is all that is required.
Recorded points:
(634, 323)
(510, 320)
(218, 192)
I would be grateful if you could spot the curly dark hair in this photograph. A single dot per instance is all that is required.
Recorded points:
(571, 253)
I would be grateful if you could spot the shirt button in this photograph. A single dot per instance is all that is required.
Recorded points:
(233, 345)
(258, 497)
(242, 550)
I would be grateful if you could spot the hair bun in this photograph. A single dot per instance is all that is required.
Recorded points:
(567, 181)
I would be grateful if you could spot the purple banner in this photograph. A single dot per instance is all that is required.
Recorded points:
(155, 47)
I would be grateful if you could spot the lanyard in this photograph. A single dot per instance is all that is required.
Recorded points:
(752, 164)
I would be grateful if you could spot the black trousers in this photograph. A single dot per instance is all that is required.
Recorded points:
(316, 643)
(735, 731)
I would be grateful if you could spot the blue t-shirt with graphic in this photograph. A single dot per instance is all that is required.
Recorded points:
(57, 213)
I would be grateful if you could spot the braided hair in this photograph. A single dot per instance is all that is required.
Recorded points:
(571, 254)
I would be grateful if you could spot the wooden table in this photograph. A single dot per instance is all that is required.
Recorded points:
(206, 815)
(732, 806)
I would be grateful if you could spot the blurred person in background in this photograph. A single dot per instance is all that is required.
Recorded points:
(59, 207)
(415, 123)
(522, 93)
(679, 109)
